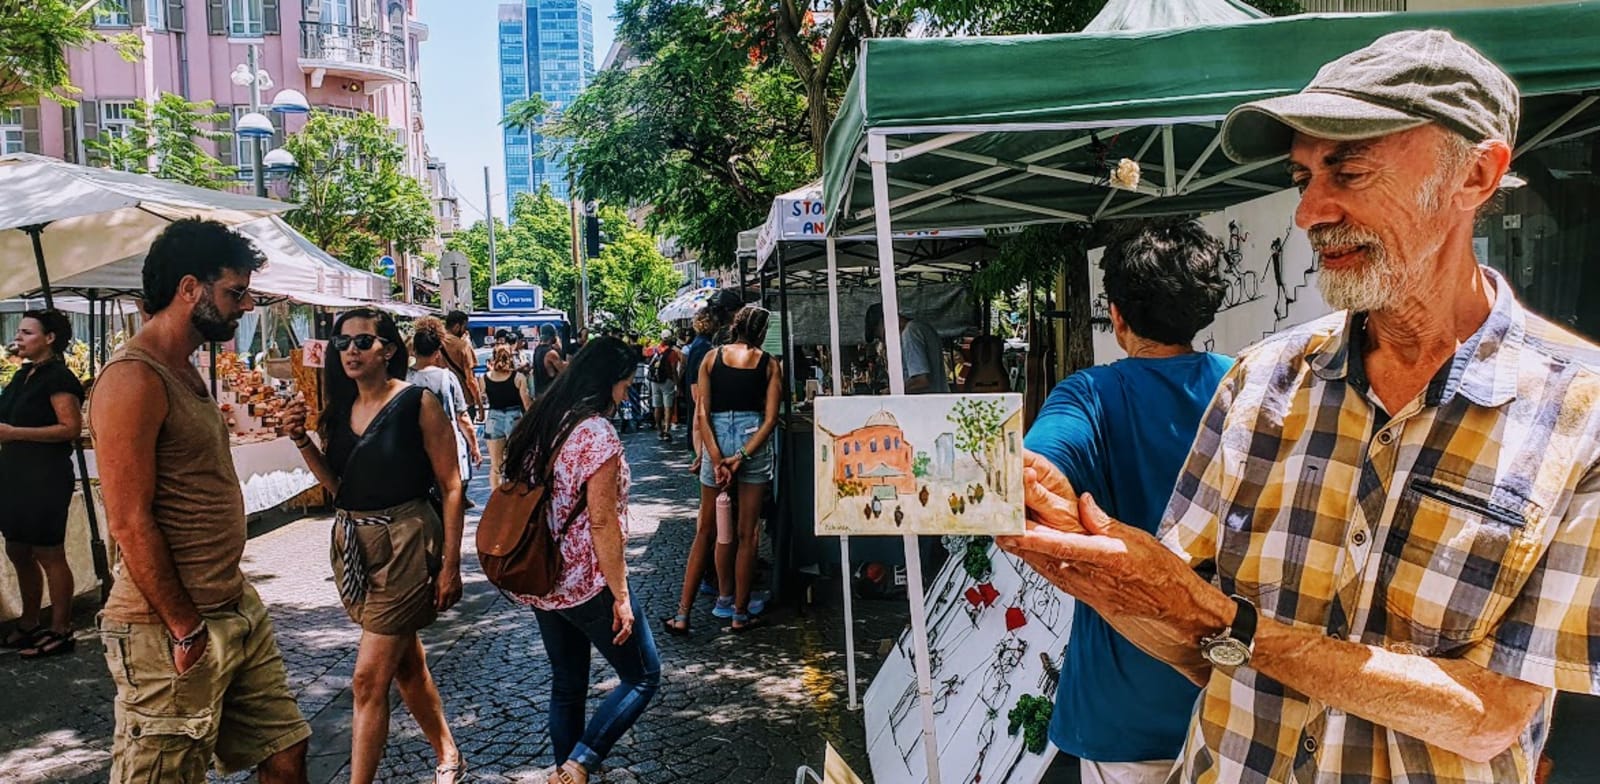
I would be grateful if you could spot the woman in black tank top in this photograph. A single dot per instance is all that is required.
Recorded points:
(395, 562)
(506, 392)
(736, 411)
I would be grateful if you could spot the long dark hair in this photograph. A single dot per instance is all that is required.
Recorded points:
(581, 391)
(338, 389)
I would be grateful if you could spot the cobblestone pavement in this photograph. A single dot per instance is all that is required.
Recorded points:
(745, 708)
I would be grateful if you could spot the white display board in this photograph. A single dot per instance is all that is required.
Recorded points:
(986, 652)
(1262, 248)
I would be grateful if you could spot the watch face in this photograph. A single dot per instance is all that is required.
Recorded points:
(1226, 652)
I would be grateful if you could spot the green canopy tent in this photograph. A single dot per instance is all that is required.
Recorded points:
(1026, 129)
(1002, 132)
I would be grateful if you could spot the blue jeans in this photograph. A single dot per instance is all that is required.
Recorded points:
(733, 429)
(567, 636)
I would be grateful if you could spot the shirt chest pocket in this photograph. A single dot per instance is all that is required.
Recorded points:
(1459, 551)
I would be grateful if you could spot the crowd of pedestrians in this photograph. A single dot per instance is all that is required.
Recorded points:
(1434, 433)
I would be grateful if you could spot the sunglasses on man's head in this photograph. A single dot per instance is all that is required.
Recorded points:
(361, 342)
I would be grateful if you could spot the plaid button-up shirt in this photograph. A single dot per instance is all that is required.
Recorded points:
(1462, 525)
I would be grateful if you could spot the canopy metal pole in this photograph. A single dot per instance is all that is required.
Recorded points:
(212, 352)
(844, 541)
(38, 258)
(878, 158)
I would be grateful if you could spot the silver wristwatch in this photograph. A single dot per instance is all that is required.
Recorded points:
(1233, 646)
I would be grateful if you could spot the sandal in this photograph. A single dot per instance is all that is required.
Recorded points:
(454, 771)
(50, 643)
(22, 638)
(743, 622)
(677, 625)
(565, 775)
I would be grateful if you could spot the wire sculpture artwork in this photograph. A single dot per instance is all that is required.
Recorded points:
(1244, 285)
(989, 640)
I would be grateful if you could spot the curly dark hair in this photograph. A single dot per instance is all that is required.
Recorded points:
(56, 325)
(191, 246)
(1165, 277)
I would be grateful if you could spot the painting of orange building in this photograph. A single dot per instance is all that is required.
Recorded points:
(875, 454)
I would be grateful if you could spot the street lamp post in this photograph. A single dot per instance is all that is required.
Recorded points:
(257, 127)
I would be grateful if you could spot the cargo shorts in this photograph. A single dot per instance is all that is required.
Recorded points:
(232, 708)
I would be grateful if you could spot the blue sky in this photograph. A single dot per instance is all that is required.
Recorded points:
(461, 93)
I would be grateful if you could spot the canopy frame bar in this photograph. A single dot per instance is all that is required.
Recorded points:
(978, 176)
(1566, 117)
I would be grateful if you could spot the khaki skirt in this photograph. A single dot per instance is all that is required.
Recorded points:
(402, 559)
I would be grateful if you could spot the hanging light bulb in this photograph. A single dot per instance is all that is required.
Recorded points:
(241, 75)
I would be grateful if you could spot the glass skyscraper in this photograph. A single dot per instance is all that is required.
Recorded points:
(546, 49)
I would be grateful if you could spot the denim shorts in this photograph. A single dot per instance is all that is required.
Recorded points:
(500, 423)
(733, 430)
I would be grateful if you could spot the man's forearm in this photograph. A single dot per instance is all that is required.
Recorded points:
(1453, 704)
(147, 560)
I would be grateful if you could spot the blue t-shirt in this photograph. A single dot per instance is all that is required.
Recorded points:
(693, 355)
(1122, 432)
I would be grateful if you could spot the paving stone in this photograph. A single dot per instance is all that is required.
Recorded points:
(731, 709)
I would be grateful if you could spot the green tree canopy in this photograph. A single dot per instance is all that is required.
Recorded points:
(34, 38)
(630, 280)
(700, 131)
(1017, 17)
(356, 199)
(168, 133)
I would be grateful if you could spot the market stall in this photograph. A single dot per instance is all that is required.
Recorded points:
(935, 133)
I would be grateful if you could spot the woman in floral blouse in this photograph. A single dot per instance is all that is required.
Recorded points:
(568, 435)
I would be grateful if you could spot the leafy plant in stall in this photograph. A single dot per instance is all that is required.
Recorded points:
(975, 561)
(1032, 716)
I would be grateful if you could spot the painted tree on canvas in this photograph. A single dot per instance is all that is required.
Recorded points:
(978, 430)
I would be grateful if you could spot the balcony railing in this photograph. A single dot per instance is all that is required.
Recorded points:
(416, 98)
(351, 44)
(1351, 6)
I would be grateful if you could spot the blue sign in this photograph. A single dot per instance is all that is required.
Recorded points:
(386, 264)
(516, 298)
(708, 283)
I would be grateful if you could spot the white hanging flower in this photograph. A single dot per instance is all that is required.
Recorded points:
(1126, 175)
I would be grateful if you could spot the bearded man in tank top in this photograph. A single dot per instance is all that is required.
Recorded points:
(200, 682)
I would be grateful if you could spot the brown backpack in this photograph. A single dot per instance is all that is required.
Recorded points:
(516, 548)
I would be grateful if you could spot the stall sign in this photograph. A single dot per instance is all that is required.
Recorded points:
(516, 298)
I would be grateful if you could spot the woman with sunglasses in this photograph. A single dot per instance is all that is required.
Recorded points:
(386, 444)
(568, 439)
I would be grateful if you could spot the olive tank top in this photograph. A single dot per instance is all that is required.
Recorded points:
(198, 505)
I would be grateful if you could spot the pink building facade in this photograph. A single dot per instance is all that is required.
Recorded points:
(343, 55)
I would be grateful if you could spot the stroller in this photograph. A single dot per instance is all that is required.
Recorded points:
(636, 412)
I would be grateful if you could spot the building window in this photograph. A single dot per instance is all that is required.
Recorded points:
(155, 14)
(245, 19)
(116, 118)
(10, 131)
(847, 472)
(872, 446)
(113, 13)
(336, 12)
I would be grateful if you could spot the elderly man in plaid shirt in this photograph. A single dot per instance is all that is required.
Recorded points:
(1380, 561)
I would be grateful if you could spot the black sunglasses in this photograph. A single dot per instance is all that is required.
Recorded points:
(342, 343)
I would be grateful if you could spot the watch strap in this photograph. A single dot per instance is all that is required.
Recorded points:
(1243, 627)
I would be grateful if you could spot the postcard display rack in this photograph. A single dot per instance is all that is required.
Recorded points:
(985, 645)
(252, 402)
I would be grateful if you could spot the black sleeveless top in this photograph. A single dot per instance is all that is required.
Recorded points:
(539, 376)
(387, 465)
(503, 395)
(738, 389)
